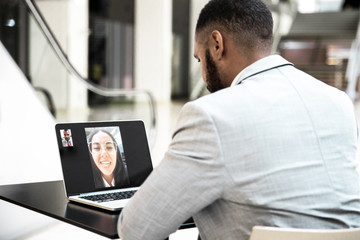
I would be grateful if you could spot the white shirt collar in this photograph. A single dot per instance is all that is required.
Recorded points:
(106, 183)
(259, 66)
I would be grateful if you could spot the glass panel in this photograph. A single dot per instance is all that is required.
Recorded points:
(325, 59)
(50, 70)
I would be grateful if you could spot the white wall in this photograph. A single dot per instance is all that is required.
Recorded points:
(78, 33)
(68, 20)
(196, 82)
(153, 47)
(27, 130)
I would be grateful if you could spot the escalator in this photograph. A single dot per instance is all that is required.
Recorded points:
(326, 45)
(68, 94)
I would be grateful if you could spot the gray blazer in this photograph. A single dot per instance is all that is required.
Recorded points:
(278, 149)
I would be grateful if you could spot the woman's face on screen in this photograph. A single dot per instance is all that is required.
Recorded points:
(103, 150)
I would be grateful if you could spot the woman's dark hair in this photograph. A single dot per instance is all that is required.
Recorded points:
(120, 172)
(248, 21)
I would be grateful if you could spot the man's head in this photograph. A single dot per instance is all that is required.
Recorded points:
(230, 35)
(67, 134)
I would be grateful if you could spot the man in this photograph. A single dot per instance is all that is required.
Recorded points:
(67, 140)
(270, 146)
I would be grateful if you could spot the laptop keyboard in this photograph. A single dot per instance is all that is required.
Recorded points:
(110, 196)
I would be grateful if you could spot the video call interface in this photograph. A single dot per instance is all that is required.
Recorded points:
(112, 155)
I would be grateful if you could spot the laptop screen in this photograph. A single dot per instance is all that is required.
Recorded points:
(103, 155)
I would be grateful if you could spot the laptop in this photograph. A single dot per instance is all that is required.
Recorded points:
(103, 163)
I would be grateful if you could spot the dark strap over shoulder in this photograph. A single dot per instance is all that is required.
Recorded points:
(265, 70)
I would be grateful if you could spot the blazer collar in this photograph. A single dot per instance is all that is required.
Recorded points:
(260, 66)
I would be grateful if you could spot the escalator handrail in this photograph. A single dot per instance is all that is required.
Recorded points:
(108, 92)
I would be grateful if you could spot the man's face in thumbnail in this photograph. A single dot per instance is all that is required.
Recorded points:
(67, 135)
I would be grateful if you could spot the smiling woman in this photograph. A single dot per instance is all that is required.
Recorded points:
(109, 169)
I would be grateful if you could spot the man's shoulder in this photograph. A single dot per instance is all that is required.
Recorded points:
(212, 104)
(205, 100)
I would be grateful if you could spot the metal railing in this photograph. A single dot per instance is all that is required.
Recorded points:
(95, 88)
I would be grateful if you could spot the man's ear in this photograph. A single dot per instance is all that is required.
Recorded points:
(216, 45)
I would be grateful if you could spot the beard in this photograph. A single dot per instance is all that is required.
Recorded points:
(213, 81)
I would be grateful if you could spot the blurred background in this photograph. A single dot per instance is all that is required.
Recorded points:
(91, 60)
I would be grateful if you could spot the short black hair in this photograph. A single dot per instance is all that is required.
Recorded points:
(248, 21)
